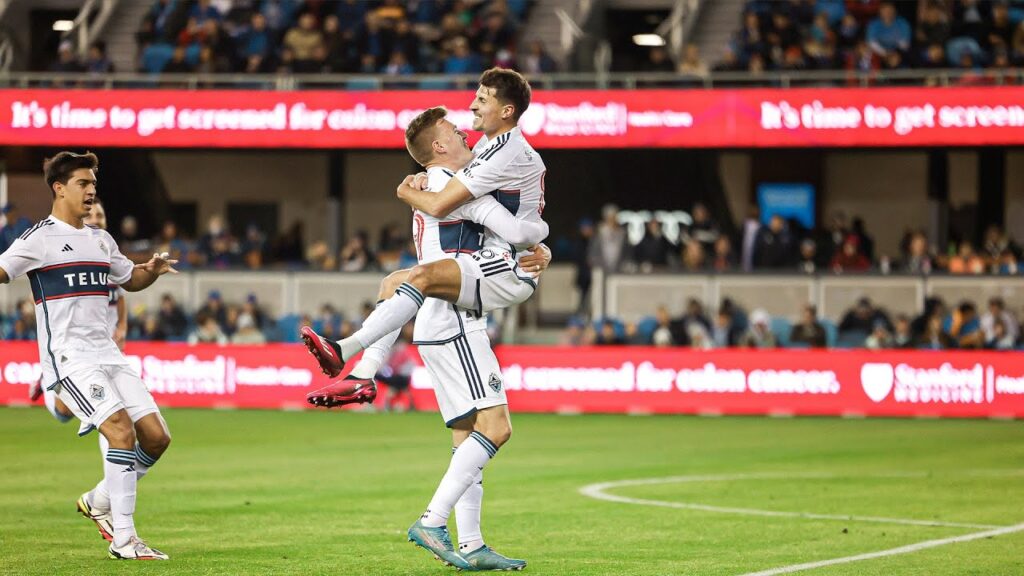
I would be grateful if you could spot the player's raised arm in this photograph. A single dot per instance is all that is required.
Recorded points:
(143, 275)
(25, 254)
(437, 204)
(489, 213)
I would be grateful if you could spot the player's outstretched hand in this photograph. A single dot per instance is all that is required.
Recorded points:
(159, 264)
(537, 262)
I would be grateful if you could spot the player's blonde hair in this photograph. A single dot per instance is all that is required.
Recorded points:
(419, 136)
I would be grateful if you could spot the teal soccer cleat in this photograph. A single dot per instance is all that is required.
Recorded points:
(484, 558)
(437, 541)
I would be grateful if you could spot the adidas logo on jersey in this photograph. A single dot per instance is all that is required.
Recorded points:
(67, 248)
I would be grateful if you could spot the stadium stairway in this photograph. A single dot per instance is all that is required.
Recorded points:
(542, 24)
(120, 34)
(717, 21)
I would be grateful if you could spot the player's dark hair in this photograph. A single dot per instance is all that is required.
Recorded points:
(63, 165)
(510, 88)
(419, 136)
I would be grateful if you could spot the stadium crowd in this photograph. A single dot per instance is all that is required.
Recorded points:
(871, 35)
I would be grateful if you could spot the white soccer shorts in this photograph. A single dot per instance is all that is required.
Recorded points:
(466, 376)
(492, 280)
(93, 393)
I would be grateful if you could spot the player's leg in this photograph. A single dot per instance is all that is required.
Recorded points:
(467, 509)
(152, 440)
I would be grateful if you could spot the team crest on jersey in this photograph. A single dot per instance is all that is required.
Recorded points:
(103, 247)
(494, 382)
(96, 392)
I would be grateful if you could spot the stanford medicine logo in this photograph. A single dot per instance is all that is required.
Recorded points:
(877, 380)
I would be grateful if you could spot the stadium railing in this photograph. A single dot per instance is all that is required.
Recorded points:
(559, 81)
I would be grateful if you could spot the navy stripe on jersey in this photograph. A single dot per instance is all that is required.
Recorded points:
(509, 199)
(476, 387)
(448, 172)
(459, 236)
(40, 224)
(35, 282)
(500, 142)
(69, 280)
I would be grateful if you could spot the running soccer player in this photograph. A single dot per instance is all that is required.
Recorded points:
(117, 320)
(69, 266)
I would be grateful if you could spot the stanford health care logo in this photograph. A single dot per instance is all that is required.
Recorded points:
(877, 380)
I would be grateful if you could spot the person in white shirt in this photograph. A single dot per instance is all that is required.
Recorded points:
(69, 266)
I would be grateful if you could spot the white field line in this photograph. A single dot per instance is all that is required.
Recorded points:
(891, 552)
(598, 491)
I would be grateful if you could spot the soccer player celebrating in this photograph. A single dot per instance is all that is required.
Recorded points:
(69, 266)
(117, 320)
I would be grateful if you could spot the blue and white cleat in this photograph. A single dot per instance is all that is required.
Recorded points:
(484, 558)
(437, 541)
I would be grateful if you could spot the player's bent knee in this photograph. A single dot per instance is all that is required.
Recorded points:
(420, 277)
(119, 431)
(155, 447)
(391, 282)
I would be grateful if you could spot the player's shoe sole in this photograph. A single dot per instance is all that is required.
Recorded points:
(348, 390)
(437, 542)
(102, 521)
(328, 358)
(486, 559)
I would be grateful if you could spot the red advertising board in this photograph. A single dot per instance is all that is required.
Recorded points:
(609, 380)
(963, 116)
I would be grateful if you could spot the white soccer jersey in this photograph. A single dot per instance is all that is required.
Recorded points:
(116, 294)
(69, 270)
(509, 169)
(460, 234)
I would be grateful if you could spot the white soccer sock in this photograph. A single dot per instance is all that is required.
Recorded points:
(467, 515)
(469, 461)
(120, 479)
(99, 497)
(375, 355)
(389, 316)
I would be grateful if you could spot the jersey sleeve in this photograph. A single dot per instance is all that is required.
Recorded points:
(120, 266)
(489, 171)
(23, 256)
(492, 215)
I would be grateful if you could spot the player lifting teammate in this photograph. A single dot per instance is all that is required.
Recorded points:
(69, 266)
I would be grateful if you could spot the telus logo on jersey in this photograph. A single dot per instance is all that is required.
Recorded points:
(70, 279)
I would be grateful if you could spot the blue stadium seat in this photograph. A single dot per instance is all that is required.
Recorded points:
(620, 328)
(781, 327)
(287, 328)
(156, 56)
(646, 328)
(831, 332)
(851, 339)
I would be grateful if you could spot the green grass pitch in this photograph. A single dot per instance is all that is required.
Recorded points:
(290, 493)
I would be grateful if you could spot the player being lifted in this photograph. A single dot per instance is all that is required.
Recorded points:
(454, 345)
(117, 321)
(69, 266)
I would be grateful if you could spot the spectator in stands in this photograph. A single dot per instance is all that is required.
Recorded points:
(131, 244)
(879, 338)
(356, 255)
(702, 228)
(933, 337)
(693, 257)
(217, 248)
(537, 60)
(995, 243)
(889, 32)
(67, 61)
(694, 315)
(207, 331)
(751, 37)
(251, 307)
(863, 10)
(583, 255)
(663, 335)
(654, 249)
(339, 46)
(279, 14)
(1000, 28)
(319, 257)
(14, 226)
(849, 258)
(256, 44)
(730, 61)
(397, 65)
(834, 10)
(782, 37)
(748, 246)
(934, 28)
(253, 247)
(170, 318)
(759, 334)
(609, 247)
(1000, 338)
(848, 36)
(966, 261)
(917, 259)
(692, 64)
(725, 332)
(698, 337)
(658, 60)
(1017, 53)
(862, 318)
(933, 306)
(204, 10)
(902, 335)
(1007, 264)
(461, 60)
(151, 330)
(998, 314)
(723, 259)
(863, 59)
(168, 241)
(306, 43)
(808, 331)
(774, 247)
(964, 327)
(247, 332)
(808, 263)
(97, 61)
(607, 335)
(214, 308)
(178, 63)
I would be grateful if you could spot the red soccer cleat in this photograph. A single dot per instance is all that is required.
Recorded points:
(35, 390)
(327, 353)
(348, 390)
